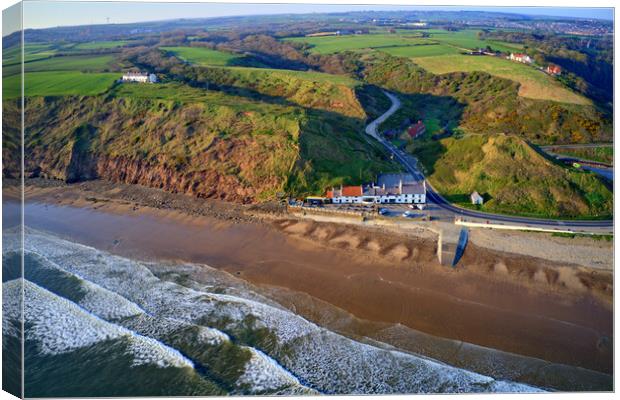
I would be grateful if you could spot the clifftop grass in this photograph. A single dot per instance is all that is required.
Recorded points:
(512, 176)
(205, 143)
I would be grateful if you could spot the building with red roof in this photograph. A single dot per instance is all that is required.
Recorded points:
(416, 129)
(553, 69)
(391, 188)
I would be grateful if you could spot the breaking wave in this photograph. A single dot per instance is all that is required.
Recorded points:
(222, 337)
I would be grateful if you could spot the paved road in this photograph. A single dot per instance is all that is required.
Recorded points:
(371, 128)
(445, 209)
(576, 146)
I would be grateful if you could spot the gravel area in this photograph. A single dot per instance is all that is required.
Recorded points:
(582, 251)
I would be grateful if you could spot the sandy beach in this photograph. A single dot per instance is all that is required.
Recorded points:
(553, 311)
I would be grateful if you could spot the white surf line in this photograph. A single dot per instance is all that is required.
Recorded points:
(111, 327)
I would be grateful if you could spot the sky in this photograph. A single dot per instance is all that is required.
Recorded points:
(44, 14)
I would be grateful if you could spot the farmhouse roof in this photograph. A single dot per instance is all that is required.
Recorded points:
(352, 191)
(416, 129)
(134, 73)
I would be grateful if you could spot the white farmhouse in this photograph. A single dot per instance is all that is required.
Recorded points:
(520, 57)
(141, 77)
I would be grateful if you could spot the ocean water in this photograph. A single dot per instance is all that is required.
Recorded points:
(103, 325)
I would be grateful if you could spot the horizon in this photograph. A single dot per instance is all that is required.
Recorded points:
(44, 15)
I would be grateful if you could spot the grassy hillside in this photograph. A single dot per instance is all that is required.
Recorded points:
(481, 103)
(58, 83)
(305, 88)
(203, 56)
(601, 154)
(468, 39)
(334, 44)
(204, 143)
(513, 178)
(533, 83)
(427, 50)
(32, 51)
(104, 44)
(90, 63)
(441, 41)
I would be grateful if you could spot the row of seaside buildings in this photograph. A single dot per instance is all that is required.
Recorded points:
(389, 189)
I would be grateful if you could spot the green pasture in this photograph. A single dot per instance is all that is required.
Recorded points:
(202, 55)
(395, 43)
(32, 51)
(468, 39)
(421, 50)
(104, 44)
(58, 83)
(334, 44)
(64, 63)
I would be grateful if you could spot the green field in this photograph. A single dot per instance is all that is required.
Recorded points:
(106, 44)
(32, 51)
(421, 51)
(535, 84)
(334, 44)
(448, 42)
(58, 83)
(64, 63)
(468, 39)
(203, 55)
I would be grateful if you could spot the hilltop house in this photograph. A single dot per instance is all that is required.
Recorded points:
(416, 129)
(476, 198)
(553, 69)
(390, 189)
(141, 77)
(520, 57)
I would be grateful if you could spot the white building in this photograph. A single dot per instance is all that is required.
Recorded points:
(141, 77)
(476, 198)
(391, 189)
(520, 57)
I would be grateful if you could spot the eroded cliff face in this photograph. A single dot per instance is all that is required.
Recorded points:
(223, 147)
(204, 150)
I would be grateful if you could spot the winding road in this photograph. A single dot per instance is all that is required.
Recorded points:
(449, 210)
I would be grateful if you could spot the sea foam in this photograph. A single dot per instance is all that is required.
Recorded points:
(58, 325)
(303, 351)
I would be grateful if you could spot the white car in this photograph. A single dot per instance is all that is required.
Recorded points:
(408, 214)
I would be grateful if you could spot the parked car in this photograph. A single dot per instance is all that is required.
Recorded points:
(383, 211)
(408, 214)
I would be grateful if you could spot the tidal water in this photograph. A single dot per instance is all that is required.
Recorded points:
(103, 325)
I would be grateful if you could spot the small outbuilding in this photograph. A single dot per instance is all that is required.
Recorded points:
(476, 198)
